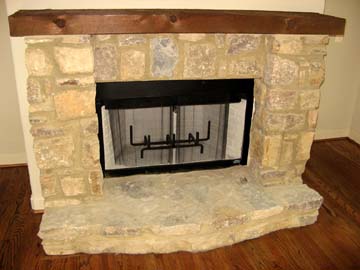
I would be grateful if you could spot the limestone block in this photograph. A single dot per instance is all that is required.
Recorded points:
(61, 202)
(47, 105)
(316, 74)
(128, 40)
(38, 39)
(74, 104)
(280, 71)
(164, 57)
(304, 146)
(287, 152)
(76, 39)
(96, 182)
(90, 154)
(54, 152)
(309, 99)
(132, 65)
(191, 37)
(89, 126)
(75, 81)
(34, 94)
(200, 60)
(238, 43)
(220, 40)
(36, 118)
(47, 130)
(271, 150)
(284, 121)
(316, 39)
(244, 67)
(105, 62)
(48, 184)
(74, 60)
(285, 44)
(72, 186)
(312, 118)
(281, 99)
(296, 197)
(38, 62)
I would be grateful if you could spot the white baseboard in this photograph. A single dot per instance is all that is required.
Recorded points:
(10, 159)
(321, 134)
(355, 135)
(37, 203)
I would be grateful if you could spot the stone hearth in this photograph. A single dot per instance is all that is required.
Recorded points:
(193, 211)
(190, 211)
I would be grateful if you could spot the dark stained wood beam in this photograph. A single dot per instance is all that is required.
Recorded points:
(102, 21)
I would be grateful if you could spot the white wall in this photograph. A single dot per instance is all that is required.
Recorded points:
(18, 45)
(342, 84)
(12, 148)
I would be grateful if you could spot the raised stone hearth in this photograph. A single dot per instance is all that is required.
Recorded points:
(193, 211)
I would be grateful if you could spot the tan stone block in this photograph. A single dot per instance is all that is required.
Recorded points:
(272, 150)
(309, 99)
(304, 146)
(244, 67)
(75, 81)
(38, 39)
(48, 184)
(132, 65)
(34, 93)
(287, 151)
(96, 182)
(105, 56)
(61, 202)
(200, 60)
(74, 60)
(36, 118)
(283, 121)
(90, 153)
(75, 39)
(316, 39)
(316, 73)
(238, 43)
(38, 62)
(89, 126)
(191, 37)
(312, 118)
(220, 40)
(260, 91)
(280, 71)
(281, 99)
(74, 104)
(72, 186)
(47, 131)
(129, 40)
(286, 44)
(54, 152)
(46, 106)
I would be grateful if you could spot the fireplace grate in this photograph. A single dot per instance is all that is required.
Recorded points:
(171, 141)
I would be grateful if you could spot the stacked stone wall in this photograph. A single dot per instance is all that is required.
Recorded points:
(288, 72)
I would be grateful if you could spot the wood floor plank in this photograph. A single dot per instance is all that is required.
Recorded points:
(332, 243)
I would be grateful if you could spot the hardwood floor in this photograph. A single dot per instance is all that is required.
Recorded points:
(333, 242)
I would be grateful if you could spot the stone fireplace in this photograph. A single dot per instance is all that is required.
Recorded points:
(193, 210)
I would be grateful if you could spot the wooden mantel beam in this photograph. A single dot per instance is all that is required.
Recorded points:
(103, 21)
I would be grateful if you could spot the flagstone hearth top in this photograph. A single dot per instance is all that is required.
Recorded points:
(169, 212)
(130, 21)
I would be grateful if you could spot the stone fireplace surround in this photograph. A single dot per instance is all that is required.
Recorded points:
(288, 72)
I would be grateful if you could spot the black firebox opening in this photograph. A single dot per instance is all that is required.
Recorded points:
(173, 96)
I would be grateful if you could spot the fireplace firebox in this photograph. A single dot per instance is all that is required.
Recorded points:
(159, 126)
